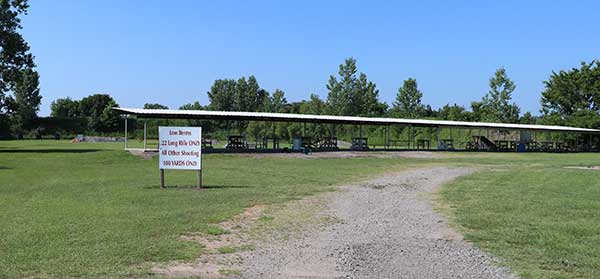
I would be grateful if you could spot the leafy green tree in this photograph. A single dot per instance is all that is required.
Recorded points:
(495, 105)
(476, 111)
(222, 95)
(96, 108)
(154, 106)
(352, 95)
(276, 102)
(256, 96)
(408, 101)
(109, 118)
(192, 106)
(528, 118)
(65, 107)
(14, 50)
(573, 97)
(454, 113)
(241, 95)
(315, 106)
(27, 100)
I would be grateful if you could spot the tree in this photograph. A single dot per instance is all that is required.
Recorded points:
(14, 51)
(65, 107)
(192, 106)
(240, 95)
(314, 105)
(527, 118)
(495, 105)
(454, 113)
(276, 102)
(154, 106)
(27, 99)
(109, 118)
(352, 95)
(222, 95)
(408, 101)
(256, 96)
(96, 108)
(573, 97)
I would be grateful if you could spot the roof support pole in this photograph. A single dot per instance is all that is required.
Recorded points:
(145, 135)
(333, 130)
(411, 136)
(437, 136)
(126, 116)
(387, 141)
(304, 129)
(360, 134)
(459, 138)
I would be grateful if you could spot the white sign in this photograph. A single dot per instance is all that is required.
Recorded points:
(180, 148)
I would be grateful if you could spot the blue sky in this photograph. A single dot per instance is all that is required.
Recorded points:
(170, 52)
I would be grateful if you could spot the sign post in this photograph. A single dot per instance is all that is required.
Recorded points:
(180, 148)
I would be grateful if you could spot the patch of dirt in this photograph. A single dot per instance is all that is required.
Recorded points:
(146, 155)
(222, 253)
(259, 225)
(584, 168)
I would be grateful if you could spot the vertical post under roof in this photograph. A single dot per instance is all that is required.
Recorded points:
(145, 135)
(126, 116)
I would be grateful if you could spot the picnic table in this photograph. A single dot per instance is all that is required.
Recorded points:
(328, 143)
(207, 143)
(360, 143)
(446, 144)
(236, 142)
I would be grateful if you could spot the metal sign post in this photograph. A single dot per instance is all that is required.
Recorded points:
(180, 148)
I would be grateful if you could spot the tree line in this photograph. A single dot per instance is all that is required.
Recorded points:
(570, 97)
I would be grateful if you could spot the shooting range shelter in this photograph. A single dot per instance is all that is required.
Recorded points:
(442, 134)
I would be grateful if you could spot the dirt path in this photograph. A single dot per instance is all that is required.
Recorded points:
(387, 229)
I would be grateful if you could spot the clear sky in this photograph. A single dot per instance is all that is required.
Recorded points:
(170, 52)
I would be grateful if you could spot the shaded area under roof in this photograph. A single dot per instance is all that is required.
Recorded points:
(308, 118)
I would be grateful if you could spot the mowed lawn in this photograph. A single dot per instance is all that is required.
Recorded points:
(543, 219)
(93, 210)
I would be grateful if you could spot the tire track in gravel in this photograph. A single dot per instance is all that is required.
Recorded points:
(387, 229)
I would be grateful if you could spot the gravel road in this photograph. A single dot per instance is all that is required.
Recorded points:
(387, 229)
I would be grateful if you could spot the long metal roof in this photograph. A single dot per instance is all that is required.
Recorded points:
(291, 117)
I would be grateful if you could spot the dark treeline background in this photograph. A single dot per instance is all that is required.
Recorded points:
(570, 97)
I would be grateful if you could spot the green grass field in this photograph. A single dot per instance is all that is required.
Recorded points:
(93, 210)
(544, 220)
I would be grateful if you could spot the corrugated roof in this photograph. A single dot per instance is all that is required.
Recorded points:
(290, 117)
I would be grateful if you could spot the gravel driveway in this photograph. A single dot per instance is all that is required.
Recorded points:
(387, 229)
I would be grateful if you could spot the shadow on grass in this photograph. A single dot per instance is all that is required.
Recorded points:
(195, 187)
(4, 168)
(48, 150)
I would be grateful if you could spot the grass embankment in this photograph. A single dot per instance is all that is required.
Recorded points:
(543, 219)
(93, 210)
